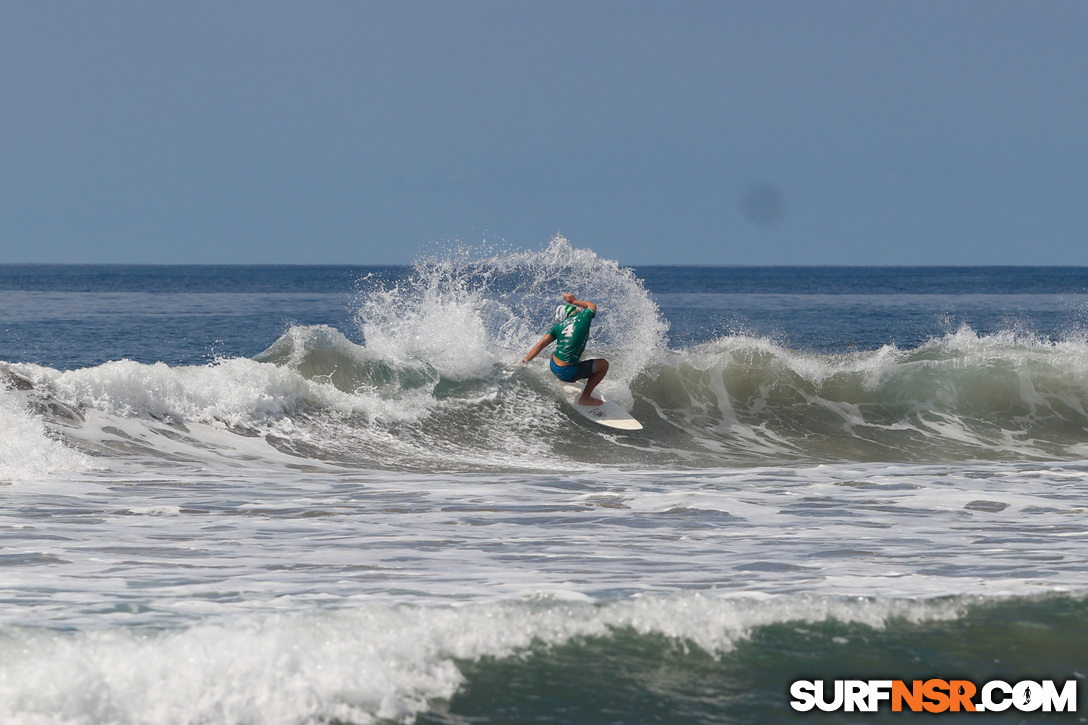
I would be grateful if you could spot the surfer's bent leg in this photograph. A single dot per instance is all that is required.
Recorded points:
(598, 368)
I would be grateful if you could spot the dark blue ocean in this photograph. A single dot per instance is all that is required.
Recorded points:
(274, 494)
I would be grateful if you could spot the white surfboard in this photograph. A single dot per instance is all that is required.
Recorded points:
(607, 413)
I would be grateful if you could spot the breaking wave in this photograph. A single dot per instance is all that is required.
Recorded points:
(353, 666)
(430, 380)
(692, 656)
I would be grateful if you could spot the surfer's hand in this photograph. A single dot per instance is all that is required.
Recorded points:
(569, 298)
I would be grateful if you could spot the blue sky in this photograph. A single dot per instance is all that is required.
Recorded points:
(652, 132)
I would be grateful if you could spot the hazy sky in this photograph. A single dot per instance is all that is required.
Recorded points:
(952, 132)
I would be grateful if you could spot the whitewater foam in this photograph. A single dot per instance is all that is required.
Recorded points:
(27, 448)
(372, 662)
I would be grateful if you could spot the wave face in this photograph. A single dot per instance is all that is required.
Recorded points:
(435, 384)
(959, 397)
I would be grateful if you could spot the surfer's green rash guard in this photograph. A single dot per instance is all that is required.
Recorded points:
(571, 335)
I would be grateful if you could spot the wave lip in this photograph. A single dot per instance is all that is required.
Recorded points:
(961, 397)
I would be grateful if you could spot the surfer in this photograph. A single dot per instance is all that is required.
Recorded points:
(571, 329)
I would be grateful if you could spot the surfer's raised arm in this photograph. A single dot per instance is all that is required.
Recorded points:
(585, 304)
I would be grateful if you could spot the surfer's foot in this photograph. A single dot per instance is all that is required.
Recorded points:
(584, 400)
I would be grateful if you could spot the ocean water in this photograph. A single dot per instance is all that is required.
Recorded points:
(332, 495)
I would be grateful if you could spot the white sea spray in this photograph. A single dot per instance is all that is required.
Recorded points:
(28, 449)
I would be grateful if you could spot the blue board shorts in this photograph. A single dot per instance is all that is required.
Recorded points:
(570, 373)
